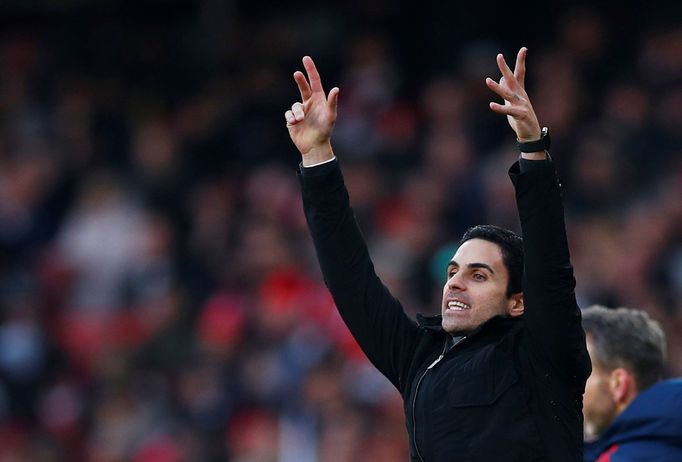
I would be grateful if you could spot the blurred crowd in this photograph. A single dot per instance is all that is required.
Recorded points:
(160, 300)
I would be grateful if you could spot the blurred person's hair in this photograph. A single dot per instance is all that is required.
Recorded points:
(627, 338)
(511, 245)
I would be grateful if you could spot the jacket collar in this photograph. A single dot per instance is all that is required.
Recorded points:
(434, 323)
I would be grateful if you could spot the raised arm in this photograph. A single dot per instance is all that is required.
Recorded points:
(376, 319)
(551, 313)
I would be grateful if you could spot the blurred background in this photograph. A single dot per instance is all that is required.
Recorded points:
(159, 296)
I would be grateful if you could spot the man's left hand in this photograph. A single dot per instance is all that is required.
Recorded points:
(517, 106)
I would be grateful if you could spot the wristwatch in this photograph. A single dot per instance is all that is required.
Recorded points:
(538, 145)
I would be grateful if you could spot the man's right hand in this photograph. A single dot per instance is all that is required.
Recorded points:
(311, 121)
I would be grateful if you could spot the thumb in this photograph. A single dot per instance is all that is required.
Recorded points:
(333, 99)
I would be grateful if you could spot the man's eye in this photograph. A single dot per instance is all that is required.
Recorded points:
(479, 277)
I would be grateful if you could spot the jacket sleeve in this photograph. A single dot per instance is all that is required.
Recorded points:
(552, 317)
(375, 318)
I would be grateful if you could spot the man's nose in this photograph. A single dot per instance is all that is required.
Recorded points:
(455, 282)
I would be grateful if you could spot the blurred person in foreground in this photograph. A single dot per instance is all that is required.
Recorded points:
(500, 374)
(630, 414)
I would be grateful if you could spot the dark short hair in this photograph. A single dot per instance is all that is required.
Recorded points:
(511, 245)
(627, 338)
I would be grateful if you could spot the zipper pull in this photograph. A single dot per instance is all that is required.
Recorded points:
(435, 362)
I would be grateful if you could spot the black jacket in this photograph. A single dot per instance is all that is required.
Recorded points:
(510, 392)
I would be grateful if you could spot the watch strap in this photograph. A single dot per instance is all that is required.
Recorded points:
(538, 145)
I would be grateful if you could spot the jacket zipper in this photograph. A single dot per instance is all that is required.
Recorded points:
(416, 390)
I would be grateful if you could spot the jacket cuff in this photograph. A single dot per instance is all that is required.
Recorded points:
(321, 178)
(532, 169)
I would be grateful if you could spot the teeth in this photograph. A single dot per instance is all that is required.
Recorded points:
(455, 305)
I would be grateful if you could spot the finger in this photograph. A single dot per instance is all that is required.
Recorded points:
(520, 66)
(313, 75)
(504, 68)
(333, 99)
(303, 86)
(501, 91)
(289, 116)
(297, 110)
(512, 111)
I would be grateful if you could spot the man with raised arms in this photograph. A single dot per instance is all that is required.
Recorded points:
(499, 375)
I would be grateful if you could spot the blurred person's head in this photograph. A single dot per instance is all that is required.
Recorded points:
(627, 349)
(627, 105)
(221, 324)
(253, 434)
(449, 155)
(155, 152)
(483, 279)
(444, 101)
(583, 33)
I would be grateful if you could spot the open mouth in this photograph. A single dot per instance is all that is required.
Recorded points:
(458, 306)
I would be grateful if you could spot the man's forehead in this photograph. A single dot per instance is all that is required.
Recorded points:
(478, 251)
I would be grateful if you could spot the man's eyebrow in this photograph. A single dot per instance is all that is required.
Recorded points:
(481, 265)
(472, 265)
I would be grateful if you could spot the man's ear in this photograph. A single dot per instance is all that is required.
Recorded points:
(622, 386)
(515, 305)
